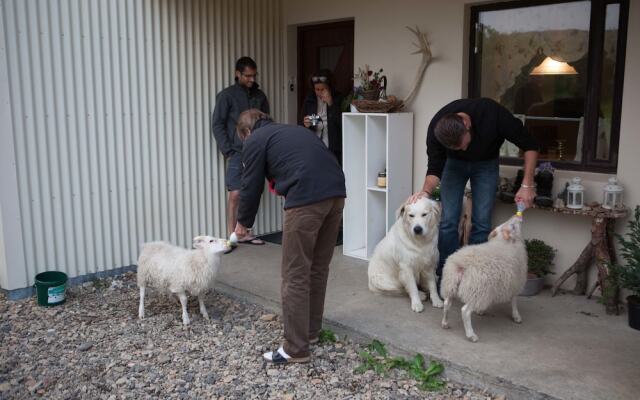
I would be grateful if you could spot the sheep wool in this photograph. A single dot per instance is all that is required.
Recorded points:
(485, 274)
(169, 268)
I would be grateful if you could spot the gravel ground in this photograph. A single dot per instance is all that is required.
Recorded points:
(94, 347)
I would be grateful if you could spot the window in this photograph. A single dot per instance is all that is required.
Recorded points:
(558, 66)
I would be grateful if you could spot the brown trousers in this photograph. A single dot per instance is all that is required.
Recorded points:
(309, 239)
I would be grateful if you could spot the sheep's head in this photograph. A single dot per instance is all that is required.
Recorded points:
(510, 231)
(210, 243)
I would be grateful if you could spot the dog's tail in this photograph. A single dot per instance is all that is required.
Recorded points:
(452, 275)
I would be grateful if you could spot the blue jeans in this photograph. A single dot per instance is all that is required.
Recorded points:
(484, 183)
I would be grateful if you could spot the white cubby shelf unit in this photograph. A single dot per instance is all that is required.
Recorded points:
(373, 142)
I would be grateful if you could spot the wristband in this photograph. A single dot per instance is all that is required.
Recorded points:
(529, 186)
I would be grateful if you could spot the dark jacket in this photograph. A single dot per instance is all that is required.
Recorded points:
(334, 115)
(297, 162)
(229, 104)
(491, 124)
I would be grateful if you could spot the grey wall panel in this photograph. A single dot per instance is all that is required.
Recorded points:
(110, 108)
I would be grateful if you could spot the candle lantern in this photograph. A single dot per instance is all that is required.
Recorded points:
(575, 194)
(612, 194)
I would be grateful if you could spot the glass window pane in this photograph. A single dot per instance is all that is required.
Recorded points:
(609, 57)
(533, 60)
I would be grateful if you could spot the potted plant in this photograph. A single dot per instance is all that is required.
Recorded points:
(628, 277)
(370, 83)
(540, 260)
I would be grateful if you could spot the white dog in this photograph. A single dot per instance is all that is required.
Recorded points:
(484, 274)
(408, 255)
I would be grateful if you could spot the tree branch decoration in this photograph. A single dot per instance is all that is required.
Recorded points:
(424, 49)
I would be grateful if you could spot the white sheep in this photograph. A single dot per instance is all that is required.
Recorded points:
(164, 266)
(485, 274)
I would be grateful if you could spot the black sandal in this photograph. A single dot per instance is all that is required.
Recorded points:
(277, 357)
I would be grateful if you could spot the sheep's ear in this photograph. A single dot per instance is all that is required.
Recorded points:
(197, 241)
(506, 234)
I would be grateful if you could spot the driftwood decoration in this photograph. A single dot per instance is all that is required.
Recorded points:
(599, 249)
(424, 49)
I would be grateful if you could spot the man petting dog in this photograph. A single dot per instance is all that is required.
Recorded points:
(302, 169)
(463, 143)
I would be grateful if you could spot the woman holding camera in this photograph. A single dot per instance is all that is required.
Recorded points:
(322, 112)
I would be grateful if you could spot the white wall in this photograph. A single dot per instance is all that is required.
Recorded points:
(105, 139)
(381, 40)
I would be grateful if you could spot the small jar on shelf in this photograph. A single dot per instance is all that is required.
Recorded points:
(382, 179)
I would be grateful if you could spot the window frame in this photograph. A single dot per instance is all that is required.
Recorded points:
(594, 79)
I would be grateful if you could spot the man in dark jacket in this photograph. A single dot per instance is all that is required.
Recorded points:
(304, 171)
(230, 102)
(463, 144)
(326, 103)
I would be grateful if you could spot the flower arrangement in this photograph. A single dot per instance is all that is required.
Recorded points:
(368, 80)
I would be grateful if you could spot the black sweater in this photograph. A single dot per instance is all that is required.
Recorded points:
(229, 104)
(491, 124)
(299, 165)
(334, 123)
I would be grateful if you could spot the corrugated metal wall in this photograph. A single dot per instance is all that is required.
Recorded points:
(110, 104)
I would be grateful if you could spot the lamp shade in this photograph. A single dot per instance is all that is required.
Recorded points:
(575, 194)
(612, 194)
(552, 67)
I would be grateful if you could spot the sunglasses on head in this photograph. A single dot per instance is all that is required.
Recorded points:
(319, 79)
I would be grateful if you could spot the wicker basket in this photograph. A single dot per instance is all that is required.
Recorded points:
(375, 106)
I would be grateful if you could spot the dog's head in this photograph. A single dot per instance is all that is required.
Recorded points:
(421, 218)
(214, 245)
(510, 231)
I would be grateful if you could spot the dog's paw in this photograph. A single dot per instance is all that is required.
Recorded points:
(445, 325)
(437, 303)
(417, 307)
(517, 320)
(473, 338)
(480, 313)
(423, 295)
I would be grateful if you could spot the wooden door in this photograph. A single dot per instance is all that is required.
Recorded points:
(327, 46)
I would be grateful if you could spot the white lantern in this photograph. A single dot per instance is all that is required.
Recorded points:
(612, 194)
(575, 194)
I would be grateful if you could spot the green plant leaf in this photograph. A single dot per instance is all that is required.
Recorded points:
(378, 347)
(326, 336)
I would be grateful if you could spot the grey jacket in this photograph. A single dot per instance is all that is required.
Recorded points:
(230, 102)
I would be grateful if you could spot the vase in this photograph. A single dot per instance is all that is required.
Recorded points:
(633, 304)
(532, 287)
(371, 94)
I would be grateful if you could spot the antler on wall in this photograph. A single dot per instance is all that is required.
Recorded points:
(423, 47)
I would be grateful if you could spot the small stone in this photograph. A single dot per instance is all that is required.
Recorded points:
(85, 346)
(163, 359)
(385, 384)
(316, 381)
(5, 386)
(121, 381)
(334, 381)
(273, 372)
(288, 396)
(268, 317)
(228, 379)
(501, 397)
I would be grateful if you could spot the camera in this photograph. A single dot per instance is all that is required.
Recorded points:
(315, 119)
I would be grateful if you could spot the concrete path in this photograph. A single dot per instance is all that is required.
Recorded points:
(566, 348)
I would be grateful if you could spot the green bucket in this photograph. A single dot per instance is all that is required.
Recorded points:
(50, 287)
